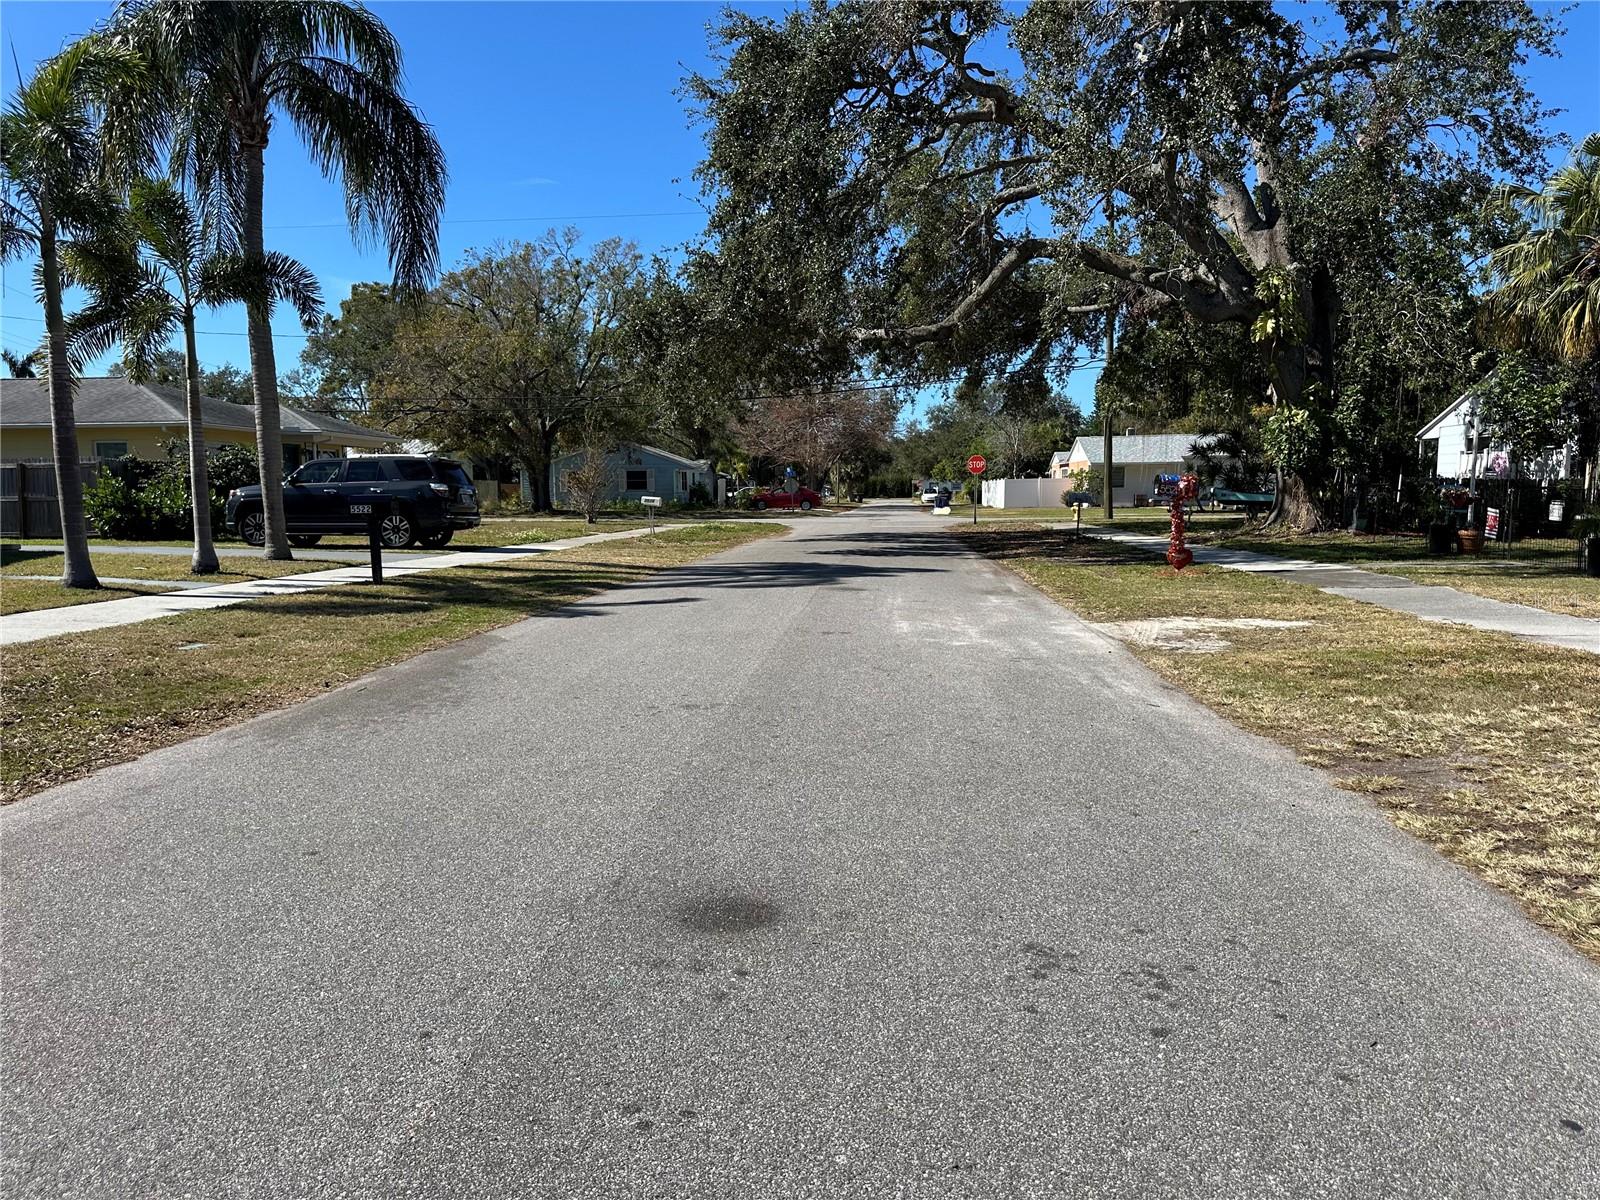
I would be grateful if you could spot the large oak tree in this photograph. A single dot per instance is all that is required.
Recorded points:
(950, 184)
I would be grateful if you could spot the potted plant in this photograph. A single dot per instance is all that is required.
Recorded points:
(1471, 540)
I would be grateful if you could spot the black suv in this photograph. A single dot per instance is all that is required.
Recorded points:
(425, 500)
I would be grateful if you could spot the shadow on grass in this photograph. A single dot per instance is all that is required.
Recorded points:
(11, 554)
(1054, 545)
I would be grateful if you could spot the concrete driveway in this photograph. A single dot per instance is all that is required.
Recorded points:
(840, 865)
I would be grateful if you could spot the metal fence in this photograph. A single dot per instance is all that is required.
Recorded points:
(29, 504)
(1528, 519)
(1519, 518)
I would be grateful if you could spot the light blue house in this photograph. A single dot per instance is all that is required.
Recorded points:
(638, 470)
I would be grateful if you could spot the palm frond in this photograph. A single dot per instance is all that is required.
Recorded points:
(386, 156)
(22, 366)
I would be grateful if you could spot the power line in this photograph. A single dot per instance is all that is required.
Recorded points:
(204, 332)
(688, 212)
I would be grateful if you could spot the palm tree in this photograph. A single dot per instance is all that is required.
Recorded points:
(63, 137)
(1549, 279)
(333, 70)
(21, 366)
(148, 289)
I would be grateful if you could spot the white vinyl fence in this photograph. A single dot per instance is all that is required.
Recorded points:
(1025, 493)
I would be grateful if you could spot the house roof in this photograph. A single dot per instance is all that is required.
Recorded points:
(114, 400)
(1431, 429)
(688, 462)
(1138, 448)
(698, 463)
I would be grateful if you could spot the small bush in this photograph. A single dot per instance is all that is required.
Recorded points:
(137, 500)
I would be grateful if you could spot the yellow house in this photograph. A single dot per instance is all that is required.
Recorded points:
(117, 416)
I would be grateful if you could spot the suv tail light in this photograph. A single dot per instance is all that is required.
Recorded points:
(442, 488)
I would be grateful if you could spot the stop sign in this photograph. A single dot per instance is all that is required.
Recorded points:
(976, 464)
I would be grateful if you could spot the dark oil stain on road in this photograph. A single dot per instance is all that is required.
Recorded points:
(727, 913)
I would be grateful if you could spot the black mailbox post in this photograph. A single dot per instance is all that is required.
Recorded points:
(375, 509)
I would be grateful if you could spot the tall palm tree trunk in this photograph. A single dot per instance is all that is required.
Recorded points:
(264, 367)
(204, 561)
(78, 571)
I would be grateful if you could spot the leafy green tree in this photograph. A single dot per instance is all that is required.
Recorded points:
(346, 355)
(517, 348)
(686, 364)
(1548, 294)
(149, 289)
(333, 70)
(63, 140)
(1527, 404)
(882, 186)
(227, 382)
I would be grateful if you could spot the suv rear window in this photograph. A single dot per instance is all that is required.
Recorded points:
(452, 473)
(419, 469)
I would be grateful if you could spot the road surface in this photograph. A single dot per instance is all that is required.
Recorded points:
(841, 865)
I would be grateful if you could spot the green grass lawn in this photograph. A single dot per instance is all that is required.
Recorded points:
(29, 595)
(1540, 576)
(1127, 520)
(1478, 743)
(19, 594)
(73, 704)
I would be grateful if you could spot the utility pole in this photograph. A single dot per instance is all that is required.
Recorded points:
(1106, 426)
(1105, 420)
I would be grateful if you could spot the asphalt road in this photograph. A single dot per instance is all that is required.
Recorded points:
(842, 865)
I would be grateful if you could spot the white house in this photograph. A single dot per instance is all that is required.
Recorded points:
(1136, 460)
(1452, 435)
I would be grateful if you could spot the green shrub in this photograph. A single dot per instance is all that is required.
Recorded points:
(137, 500)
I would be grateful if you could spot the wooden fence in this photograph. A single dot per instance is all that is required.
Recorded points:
(29, 507)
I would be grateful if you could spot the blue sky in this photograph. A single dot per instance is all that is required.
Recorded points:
(550, 114)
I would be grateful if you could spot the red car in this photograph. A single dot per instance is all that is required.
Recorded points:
(804, 499)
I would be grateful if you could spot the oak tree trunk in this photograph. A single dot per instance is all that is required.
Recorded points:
(78, 569)
(204, 561)
(263, 365)
(1303, 499)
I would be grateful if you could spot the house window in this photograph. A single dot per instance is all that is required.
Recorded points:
(111, 449)
(1119, 477)
(684, 482)
(637, 480)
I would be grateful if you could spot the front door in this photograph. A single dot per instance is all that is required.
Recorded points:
(310, 494)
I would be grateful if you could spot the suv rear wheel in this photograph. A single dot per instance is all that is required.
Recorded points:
(397, 532)
(253, 528)
(304, 539)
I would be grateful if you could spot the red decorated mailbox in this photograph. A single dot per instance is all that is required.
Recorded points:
(977, 464)
(1178, 554)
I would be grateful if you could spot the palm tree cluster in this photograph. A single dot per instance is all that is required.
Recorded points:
(195, 86)
(1548, 298)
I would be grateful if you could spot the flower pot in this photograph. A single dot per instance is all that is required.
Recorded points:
(1471, 541)
(1441, 537)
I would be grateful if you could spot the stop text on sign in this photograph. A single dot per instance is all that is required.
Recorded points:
(976, 464)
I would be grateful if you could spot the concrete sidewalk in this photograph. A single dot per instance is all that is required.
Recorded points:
(80, 618)
(312, 553)
(1445, 605)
